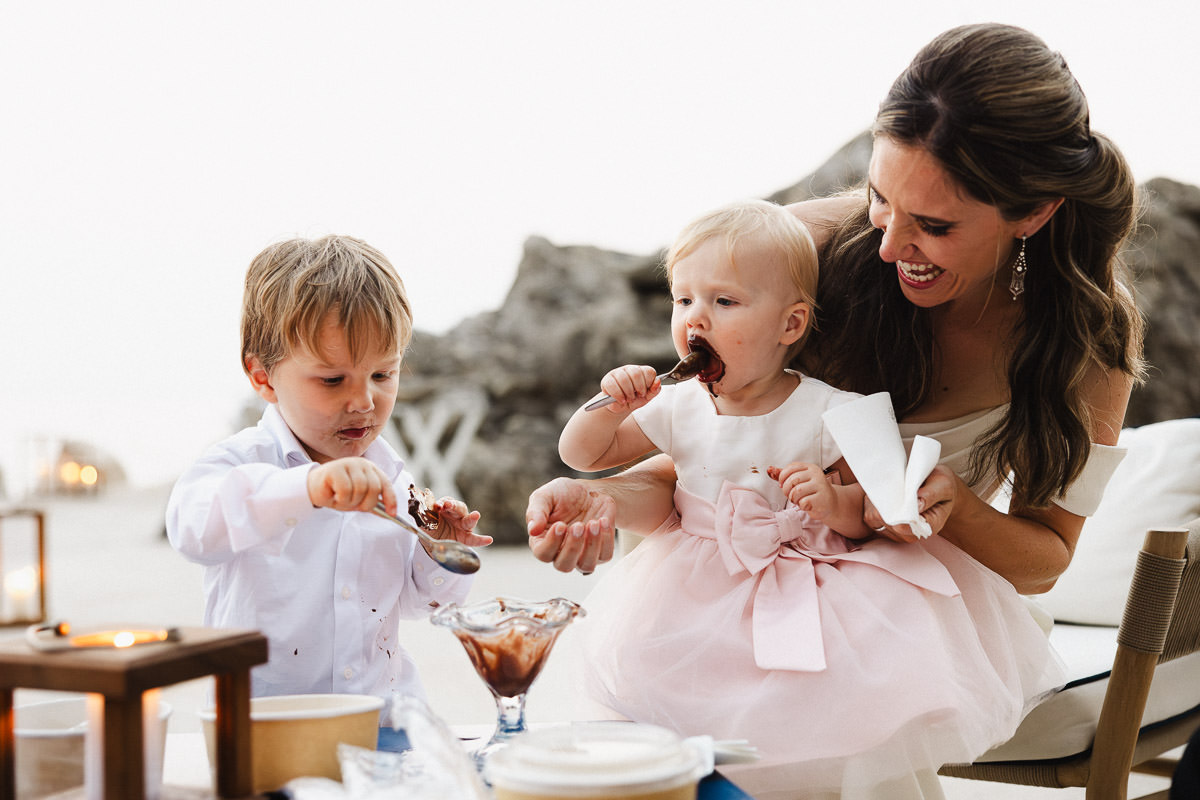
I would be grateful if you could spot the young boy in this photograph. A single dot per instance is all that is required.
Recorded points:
(276, 513)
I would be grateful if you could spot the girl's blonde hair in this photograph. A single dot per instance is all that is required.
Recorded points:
(762, 222)
(293, 285)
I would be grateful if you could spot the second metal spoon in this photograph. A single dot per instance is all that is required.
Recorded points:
(454, 556)
(689, 366)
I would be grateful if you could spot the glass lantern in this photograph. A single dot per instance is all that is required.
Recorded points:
(22, 567)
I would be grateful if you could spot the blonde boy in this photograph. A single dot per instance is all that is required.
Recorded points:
(275, 512)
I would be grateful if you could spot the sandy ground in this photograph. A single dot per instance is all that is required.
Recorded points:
(107, 563)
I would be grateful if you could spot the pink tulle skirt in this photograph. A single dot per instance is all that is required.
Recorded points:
(919, 656)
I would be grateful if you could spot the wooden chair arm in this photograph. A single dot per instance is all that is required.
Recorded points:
(1183, 635)
(1140, 643)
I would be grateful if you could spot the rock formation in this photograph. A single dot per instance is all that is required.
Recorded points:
(575, 312)
(1165, 260)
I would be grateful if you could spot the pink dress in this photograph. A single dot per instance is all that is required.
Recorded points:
(849, 665)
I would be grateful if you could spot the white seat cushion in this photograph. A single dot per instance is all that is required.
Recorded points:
(1157, 485)
(1065, 722)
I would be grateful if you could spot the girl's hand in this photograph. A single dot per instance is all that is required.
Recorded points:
(456, 521)
(807, 487)
(632, 386)
(350, 484)
(935, 501)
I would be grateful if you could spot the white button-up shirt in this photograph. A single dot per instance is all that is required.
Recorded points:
(326, 587)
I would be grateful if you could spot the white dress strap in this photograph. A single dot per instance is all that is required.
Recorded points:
(1083, 496)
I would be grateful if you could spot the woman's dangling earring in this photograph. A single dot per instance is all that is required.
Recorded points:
(1017, 285)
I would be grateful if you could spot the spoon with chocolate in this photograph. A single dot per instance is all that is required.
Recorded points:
(454, 556)
(691, 365)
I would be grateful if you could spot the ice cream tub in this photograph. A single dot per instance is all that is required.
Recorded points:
(597, 761)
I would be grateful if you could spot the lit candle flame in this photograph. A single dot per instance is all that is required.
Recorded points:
(21, 589)
(21, 583)
(120, 638)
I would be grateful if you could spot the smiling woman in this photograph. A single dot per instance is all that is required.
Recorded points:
(984, 166)
(968, 198)
(946, 247)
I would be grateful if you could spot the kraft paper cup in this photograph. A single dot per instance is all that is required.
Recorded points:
(597, 761)
(296, 735)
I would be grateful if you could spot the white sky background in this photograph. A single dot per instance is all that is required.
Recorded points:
(149, 149)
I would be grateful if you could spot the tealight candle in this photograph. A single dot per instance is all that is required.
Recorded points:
(20, 585)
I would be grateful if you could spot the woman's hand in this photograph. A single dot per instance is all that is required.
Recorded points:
(935, 502)
(571, 525)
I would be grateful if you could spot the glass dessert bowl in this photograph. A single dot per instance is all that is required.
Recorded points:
(508, 641)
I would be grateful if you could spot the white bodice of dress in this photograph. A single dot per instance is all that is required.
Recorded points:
(958, 438)
(710, 449)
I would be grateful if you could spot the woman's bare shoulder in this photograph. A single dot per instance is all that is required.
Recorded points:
(1106, 391)
(823, 214)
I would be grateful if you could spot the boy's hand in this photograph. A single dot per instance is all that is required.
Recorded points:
(807, 487)
(350, 484)
(456, 522)
(632, 386)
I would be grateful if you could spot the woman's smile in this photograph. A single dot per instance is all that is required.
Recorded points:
(917, 274)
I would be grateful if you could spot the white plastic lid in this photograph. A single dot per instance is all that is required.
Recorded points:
(576, 760)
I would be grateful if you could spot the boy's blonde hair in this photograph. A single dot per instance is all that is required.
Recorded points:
(763, 221)
(292, 285)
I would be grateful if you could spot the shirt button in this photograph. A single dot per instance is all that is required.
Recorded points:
(290, 522)
(438, 581)
(349, 673)
(345, 592)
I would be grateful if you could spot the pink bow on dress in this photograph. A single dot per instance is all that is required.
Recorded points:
(783, 548)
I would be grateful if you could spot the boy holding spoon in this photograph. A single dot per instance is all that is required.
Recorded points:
(324, 327)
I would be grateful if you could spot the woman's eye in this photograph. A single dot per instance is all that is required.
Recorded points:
(934, 230)
(875, 197)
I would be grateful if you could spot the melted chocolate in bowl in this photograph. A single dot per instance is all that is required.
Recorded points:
(509, 660)
(714, 367)
(508, 640)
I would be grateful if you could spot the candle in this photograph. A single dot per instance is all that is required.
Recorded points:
(59, 637)
(119, 638)
(20, 586)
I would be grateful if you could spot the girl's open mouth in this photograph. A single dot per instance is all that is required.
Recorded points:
(354, 433)
(714, 367)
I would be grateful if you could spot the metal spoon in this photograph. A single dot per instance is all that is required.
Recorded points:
(689, 366)
(454, 556)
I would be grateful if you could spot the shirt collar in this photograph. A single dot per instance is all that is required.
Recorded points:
(292, 452)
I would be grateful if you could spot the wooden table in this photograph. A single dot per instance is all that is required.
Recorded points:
(120, 676)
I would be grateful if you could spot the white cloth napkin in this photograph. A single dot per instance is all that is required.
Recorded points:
(867, 433)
